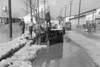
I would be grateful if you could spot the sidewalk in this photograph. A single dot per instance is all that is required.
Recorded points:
(92, 46)
(93, 35)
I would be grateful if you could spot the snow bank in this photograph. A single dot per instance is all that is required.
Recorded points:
(22, 53)
(9, 48)
(23, 57)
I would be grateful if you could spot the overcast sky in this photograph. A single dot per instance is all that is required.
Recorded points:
(55, 6)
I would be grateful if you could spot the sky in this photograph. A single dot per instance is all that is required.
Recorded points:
(59, 5)
(56, 6)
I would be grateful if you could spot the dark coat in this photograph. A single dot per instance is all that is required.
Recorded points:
(22, 24)
(47, 17)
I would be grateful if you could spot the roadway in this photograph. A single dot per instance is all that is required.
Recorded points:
(70, 53)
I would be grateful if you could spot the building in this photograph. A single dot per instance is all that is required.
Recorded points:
(91, 15)
(5, 20)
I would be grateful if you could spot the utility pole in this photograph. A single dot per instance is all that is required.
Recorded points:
(44, 2)
(93, 16)
(10, 19)
(42, 13)
(30, 1)
(65, 9)
(70, 12)
(26, 7)
(79, 12)
(38, 7)
(61, 11)
(44, 9)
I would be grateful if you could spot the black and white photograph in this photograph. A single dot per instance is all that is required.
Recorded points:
(49, 33)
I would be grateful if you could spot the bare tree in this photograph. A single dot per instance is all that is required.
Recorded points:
(26, 3)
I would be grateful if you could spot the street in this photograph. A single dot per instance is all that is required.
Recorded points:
(66, 54)
(50, 33)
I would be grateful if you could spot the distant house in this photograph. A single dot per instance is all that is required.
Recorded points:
(93, 17)
(88, 15)
(5, 20)
(97, 18)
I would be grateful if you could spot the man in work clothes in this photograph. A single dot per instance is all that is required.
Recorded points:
(47, 19)
(30, 25)
(22, 25)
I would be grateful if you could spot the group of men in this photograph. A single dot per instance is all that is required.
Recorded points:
(31, 24)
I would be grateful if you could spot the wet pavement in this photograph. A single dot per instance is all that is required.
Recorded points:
(66, 54)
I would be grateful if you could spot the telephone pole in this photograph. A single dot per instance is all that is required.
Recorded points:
(65, 9)
(26, 7)
(38, 7)
(44, 9)
(93, 16)
(10, 19)
(42, 13)
(79, 13)
(61, 11)
(70, 9)
(70, 12)
(44, 2)
(30, 1)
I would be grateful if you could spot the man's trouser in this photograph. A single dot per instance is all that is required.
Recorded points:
(30, 30)
(23, 29)
(48, 36)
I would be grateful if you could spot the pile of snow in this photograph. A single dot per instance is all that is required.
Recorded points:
(21, 50)
(11, 47)
(27, 19)
(6, 49)
(29, 53)
(23, 57)
(21, 64)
